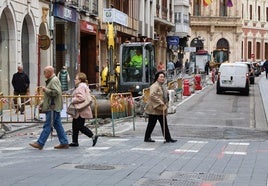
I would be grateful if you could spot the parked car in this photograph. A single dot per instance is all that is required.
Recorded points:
(233, 77)
(251, 71)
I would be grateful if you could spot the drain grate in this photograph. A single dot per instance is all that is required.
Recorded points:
(187, 179)
(94, 167)
(200, 176)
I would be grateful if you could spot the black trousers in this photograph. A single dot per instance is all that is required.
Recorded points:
(79, 125)
(18, 108)
(151, 124)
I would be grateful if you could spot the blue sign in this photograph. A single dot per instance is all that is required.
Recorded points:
(173, 40)
(65, 13)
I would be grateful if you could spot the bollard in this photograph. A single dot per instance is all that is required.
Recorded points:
(186, 88)
(171, 105)
(213, 76)
(197, 82)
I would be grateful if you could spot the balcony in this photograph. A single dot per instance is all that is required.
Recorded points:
(263, 24)
(216, 21)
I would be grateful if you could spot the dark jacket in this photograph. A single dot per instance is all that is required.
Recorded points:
(64, 78)
(265, 65)
(20, 82)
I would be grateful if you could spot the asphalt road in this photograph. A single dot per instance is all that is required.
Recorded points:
(206, 114)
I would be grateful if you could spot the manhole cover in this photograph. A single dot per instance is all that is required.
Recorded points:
(94, 167)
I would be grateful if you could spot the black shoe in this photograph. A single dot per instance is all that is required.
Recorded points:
(95, 139)
(73, 144)
(171, 141)
(149, 140)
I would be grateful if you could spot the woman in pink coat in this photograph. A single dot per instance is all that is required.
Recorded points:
(78, 124)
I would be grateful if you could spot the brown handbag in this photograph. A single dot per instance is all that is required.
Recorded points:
(71, 110)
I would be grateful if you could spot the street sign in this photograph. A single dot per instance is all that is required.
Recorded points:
(111, 15)
(44, 42)
(189, 49)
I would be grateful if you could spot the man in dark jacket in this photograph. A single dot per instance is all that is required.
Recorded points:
(20, 82)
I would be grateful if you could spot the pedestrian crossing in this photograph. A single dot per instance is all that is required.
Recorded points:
(104, 144)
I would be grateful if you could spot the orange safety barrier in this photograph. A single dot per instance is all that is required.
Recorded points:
(122, 107)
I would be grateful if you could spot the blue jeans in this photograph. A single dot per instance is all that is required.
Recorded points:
(47, 129)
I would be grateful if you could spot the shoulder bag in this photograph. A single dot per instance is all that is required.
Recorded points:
(71, 110)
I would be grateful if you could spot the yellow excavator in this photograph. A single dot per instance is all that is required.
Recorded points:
(135, 68)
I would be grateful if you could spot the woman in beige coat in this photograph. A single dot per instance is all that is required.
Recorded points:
(157, 109)
(78, 124)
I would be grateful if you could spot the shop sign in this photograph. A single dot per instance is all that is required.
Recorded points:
(112, 15)
(65, 13)
(189, 49)
(88, 27)
(173, 40)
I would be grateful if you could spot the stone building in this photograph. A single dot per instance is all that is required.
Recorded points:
(72, 33)
(230, 30)
(19, 27)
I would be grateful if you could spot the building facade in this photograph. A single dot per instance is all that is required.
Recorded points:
(254, 44)
(181, 31)
(230, 30)
(73, 33)
(19, 27)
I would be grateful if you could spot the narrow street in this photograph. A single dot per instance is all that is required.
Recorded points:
(219, 143)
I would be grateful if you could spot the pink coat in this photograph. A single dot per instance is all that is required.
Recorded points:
(79, 95)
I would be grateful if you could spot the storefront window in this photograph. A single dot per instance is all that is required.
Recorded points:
(65, 48)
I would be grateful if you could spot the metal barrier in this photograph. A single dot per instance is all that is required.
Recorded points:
(146, 94)
(176, 85)
(9, 114)
(122, 107)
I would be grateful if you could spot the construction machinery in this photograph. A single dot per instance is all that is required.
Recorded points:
(134, 70)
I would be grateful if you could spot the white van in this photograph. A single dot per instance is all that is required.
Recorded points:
(233, 77)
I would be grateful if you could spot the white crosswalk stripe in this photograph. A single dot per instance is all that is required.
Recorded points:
(191, 146)
(234, 148)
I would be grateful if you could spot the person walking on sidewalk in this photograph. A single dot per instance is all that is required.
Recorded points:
(21, 83)
(78, 123)
(157, 109)
(265, 66)
(52, 105)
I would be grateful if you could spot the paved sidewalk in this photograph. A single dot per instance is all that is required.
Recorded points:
(263, 85)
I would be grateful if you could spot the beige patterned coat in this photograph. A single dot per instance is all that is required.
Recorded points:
(156, 101)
